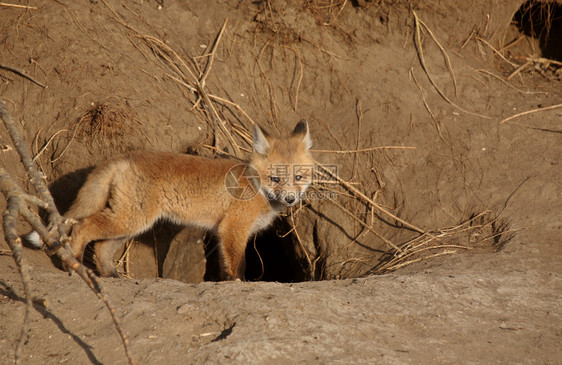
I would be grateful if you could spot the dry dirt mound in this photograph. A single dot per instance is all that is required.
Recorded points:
(469, 310)
(407, 104)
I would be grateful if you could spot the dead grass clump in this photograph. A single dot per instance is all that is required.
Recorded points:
(104, 125)
(480, 232)
(270, 21)
(327, 12)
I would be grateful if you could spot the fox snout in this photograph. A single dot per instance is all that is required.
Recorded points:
(287, 198)
(290, 199)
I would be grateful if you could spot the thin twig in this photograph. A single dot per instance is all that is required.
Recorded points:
(22, 74)
(9, 226)
(367, 200)
(336, 16)
(544, 60)
(507, 83)
(530, 112)
(228, 102)
(512, 43)
(301, 73)
(496, 51)
(445, 55)
(397, 266)
(370, 149)
(48, 143)
(303, 249)
(18, 6)
(514, 193)
(162, 51)
(359, 112)
(468, 39)
(217, 121)
(435, 122)
(212, 55)
(558, 131)
(518, 70)
(365, 225)
(419, 48)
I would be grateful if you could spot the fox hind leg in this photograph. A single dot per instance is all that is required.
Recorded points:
(110, 228)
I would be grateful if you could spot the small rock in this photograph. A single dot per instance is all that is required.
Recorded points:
(183, 309)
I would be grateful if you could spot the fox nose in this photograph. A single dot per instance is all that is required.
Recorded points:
(290, 199)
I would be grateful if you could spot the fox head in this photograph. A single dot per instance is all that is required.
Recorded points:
(284, 164)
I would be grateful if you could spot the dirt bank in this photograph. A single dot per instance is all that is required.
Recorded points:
(423, 145)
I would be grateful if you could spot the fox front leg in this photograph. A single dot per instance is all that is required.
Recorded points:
(233, 238)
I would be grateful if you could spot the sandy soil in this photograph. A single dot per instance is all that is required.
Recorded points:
(354, 73)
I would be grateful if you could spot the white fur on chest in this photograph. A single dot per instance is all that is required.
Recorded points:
(264, 221)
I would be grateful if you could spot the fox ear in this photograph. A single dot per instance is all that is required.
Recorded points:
(260, 143)
(301, 130)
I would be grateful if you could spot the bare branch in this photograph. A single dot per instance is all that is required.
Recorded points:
(17, 205)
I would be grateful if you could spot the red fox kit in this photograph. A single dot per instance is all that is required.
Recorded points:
(126, 195)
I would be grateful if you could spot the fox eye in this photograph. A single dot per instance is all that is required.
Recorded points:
(298, 177)
(275, 179)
